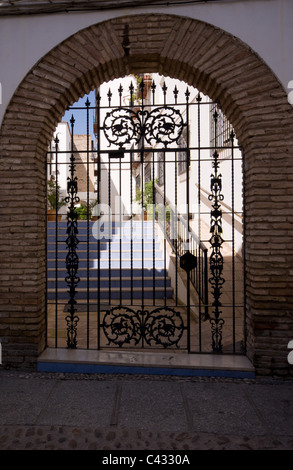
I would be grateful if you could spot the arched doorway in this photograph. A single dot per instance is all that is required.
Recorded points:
(218, 65)
(145, 247)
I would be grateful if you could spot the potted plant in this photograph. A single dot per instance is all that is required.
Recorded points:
(83, 212)
(55, 202)
(145, 199)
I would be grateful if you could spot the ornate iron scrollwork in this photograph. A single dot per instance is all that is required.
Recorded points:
(216, 259)
(161, 125)
(120, 126)
(163, 326)
(72, 259)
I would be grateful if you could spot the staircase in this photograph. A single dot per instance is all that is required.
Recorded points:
(120, 276)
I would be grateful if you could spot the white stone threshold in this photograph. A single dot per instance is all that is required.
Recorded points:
(166, 363)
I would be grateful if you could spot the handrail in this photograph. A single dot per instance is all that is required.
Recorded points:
(178, 235)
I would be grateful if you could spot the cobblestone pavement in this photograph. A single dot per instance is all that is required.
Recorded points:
(113, 413)
(86, 438)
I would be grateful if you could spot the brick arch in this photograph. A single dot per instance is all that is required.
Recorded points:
(220, 66)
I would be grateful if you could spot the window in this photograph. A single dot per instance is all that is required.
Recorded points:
(223, 128)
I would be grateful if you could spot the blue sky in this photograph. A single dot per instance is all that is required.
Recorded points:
(80, 115)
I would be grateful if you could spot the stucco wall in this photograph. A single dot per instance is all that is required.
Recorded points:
(264, 25)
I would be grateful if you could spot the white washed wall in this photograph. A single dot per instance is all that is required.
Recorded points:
(265, 25)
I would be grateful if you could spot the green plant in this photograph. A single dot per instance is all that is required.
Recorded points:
(145, 198)
(148, 194)
(55, 201)
(148, 201)
(138, 195)
(82, 212)
(150, 212)
(164, 213)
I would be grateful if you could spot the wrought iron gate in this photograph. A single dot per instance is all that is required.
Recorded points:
(148, 239)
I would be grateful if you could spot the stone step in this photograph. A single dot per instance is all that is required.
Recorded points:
(112, 263)
(105, 255)
(105, 273)
(104, 246)
(129, 269)
(148, 293)
(115, 282)
(136, 237)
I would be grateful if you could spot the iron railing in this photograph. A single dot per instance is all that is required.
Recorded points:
(181, 237)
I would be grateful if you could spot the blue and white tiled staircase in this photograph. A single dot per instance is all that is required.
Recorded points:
(149, 278)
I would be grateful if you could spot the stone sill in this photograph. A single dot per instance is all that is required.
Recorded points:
(146, 363)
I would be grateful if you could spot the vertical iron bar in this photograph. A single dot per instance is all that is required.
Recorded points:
(165, 235)
(131, 90)
(110, 229)
(110, 219)
(142, 232)
(244, 255)
(200, 297)
(98, 99)
(72, 259)
(164, 88)
(120, 227)
(175, 92)
(88, 217)
(216, 241)
(232, 135)
(153, 87)
(206, 283)
(131, 230)
(177, 231)
(154, 218)
(142, 182)
(56, 241)
(187, 94)
(109, 94)
(199, 99)
(47, 247)
(120, 90)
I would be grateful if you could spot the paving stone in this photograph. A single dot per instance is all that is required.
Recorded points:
(264, 428)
